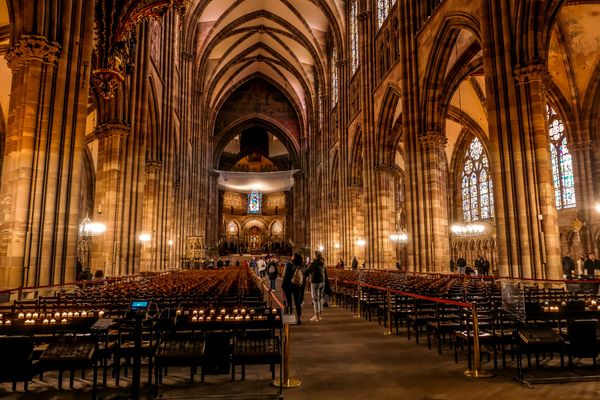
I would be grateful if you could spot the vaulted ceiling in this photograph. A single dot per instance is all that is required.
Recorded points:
(283, 41)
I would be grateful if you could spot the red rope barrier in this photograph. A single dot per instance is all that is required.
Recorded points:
(273, 295)
(414, 295)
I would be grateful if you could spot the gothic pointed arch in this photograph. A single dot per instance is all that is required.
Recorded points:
(437, 64)
(388, 133)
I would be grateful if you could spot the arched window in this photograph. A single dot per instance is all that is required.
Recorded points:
(334, 78)
(254, 202)
(562, 162)
(383, 10)
(354, 35)
(477, 188)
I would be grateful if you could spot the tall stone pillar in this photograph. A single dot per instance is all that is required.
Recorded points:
(213, 222)
(150, 252)
(357, 211)
(526, 218)
(386, 176)
(583, 163)
(436, 241)
(44, 143)
(109, 180)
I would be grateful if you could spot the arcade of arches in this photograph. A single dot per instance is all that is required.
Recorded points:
(457, 128)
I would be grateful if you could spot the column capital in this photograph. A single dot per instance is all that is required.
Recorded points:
(187, 55)
(387, 169)
(535, 71)
(433, 138)
(341, 62)
(153, 165)
(111, 129)
(355, 189)
(32, 47)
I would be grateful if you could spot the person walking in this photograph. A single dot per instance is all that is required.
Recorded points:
(316, 272)
(292, 284)
(354, 263)
(272, 273)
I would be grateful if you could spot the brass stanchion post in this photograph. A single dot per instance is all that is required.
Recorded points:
(389, 310)
(359, 295)
(286, 382)
(477, 372)
(337, 293)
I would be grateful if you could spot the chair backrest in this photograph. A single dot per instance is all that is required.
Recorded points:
(15, 353)
(581, 335)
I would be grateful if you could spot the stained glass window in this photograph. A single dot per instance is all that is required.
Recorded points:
(476, 184)
(334, 78)
(354, 35)
(562, 162)
(383, 10)
(254, 202)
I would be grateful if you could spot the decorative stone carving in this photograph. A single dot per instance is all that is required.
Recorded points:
(32, 47)
(153, 165)
(111, 129)
(115, 24)
(433, 139)
(392, 170)
(355, 189)
(536, 71)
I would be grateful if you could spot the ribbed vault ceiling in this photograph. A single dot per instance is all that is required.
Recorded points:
(284, 40)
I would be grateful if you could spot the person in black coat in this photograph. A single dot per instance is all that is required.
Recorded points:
(293, 293)
(591, 264)
(316, 271)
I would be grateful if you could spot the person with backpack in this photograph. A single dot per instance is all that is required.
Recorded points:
(272, 273)
(316, 271)
(292, 285)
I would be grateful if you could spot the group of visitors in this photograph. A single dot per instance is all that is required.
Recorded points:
(583, 266)
(97, 278)
(296, 275)
(481, 266)
(267, 266)
(353, 264)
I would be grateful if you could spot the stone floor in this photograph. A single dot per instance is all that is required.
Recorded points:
(342, 357)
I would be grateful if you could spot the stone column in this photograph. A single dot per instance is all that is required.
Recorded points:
(150, 253)
(526, 217)
(44, 144)
(212, 232)
(109, 183)
(582, 152)
(436, 241)
(357, 223)
(538, 181)
(386, 205)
